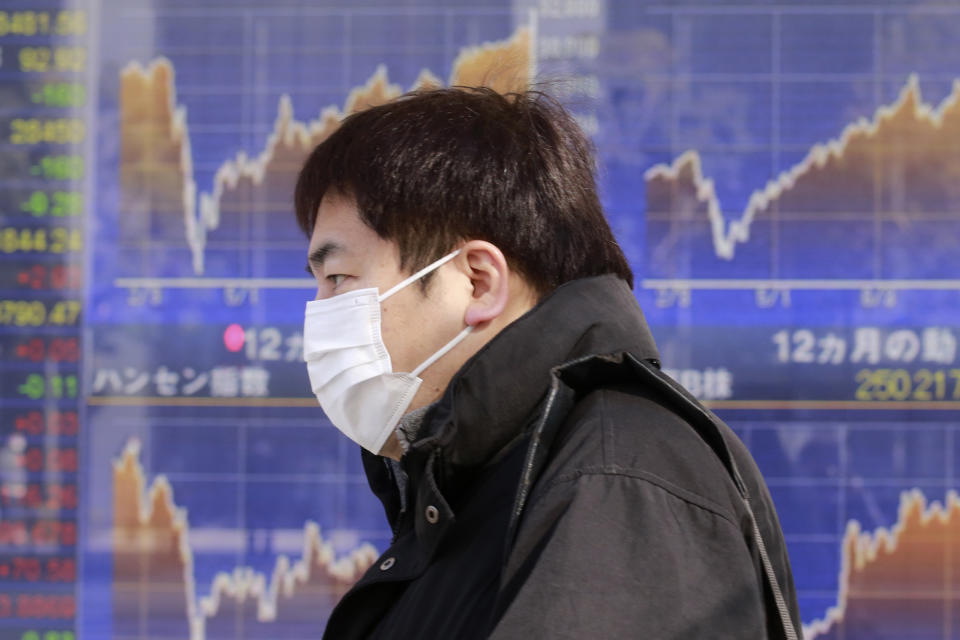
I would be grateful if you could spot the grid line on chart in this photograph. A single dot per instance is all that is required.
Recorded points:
(854, 482)
(775, 149)
(178, 477)
(877, 169)
(804, 9)
(154, 13)
(681, 78)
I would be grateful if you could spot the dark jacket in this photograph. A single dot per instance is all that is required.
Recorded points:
(563, 487)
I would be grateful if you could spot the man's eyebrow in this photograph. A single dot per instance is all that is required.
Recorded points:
(321, 253)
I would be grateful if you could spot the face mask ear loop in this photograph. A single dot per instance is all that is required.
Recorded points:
(419, 274)
(442, 352)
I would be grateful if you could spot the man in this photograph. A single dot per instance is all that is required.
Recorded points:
(475, 331)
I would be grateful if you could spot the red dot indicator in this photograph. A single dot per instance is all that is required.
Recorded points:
(233, 337)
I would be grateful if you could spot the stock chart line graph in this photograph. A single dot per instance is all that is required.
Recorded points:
(899, 581)
(745, 167)
(901, 577)
(186, 216)
(888, 179)
(156, 165)
(155, 591)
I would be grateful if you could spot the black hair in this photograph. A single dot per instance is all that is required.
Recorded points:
(435, 167)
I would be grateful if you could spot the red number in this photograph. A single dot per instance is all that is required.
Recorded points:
(40, 606)
(64, 350)
(33, 350)
(34, 277)
(54, 532)
(32, 460)
(33, 497)
(68, 534)
(30, 423)
(61, 496)
(62, 460)
(56, 423)
(65, 423)
(13, 532)
(61, 570)
(26, 569)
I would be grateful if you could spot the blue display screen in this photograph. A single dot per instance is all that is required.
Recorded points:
(784, 179)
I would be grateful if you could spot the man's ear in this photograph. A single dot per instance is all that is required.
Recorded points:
(489, 276)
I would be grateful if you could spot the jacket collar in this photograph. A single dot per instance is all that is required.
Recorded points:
(493, 396)
(493, 399)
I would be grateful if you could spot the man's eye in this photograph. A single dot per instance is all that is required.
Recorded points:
(336, 279)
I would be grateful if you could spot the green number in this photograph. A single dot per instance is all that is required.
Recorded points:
(38, 204)
(34, 388)
(59, 167)
(60, 94)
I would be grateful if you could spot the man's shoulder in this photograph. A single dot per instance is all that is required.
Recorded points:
(632, 434)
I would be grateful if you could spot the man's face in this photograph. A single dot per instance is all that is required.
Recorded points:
(345, 254)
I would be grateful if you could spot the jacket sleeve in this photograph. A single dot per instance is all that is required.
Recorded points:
(610, 555)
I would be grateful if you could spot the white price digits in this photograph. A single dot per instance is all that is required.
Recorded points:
(269, 344)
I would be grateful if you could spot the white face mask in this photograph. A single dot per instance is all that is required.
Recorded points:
(349, 367)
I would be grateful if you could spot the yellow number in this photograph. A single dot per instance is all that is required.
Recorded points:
(35, 59)
(21, 130)
(23, 23)
(40, 240)
(930, 385)
(57, 314)
(54, 131)
(71, 23)
(940, 378)
(880, 377)
(55, 240)
(64, 313)
(33, 313)
(864, 391)
(8, 241)
(924, 381)
(898, 384)
(58, 240)
(36, 314)
(22, 313)
(69, 59)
